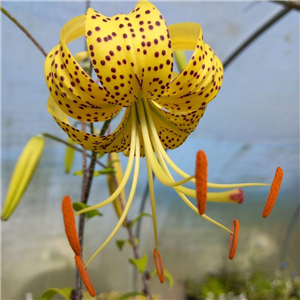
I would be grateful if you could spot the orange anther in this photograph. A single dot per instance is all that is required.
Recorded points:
(159, 265)
(84, 274)
(274, 190)
(201, 181)
(233, 240)
(70, 225)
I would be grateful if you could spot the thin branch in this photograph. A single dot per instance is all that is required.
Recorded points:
(88, 175)
(84, 199)
(24, 30)
(292, 4)
(255, 35)
(85, 170)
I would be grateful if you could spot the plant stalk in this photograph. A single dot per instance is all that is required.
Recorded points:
(255, 35)
(88, 175)
(4, 11)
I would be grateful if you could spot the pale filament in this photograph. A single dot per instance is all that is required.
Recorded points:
(159, 165)
(132, 190)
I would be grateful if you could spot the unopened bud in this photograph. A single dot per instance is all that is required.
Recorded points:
(23, 172)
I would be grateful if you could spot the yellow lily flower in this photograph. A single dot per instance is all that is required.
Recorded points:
(132, 56)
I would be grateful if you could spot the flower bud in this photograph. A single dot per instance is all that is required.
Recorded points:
(23, 172)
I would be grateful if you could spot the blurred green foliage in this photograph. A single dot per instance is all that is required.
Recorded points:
(237, 285)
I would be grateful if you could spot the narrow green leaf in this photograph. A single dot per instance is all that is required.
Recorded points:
(90, 214)
(69, 156)
(78, 173)
(120, 244)
(168, 277)
(50, 293)
(140, 263)
(125, 296)
(180, 59)
(97, 173)
(104, 171)
(138, 217)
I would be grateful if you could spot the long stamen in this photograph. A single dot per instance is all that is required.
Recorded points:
(157, 169)
(232, 196)
(275, 187)
(201, 181)
(159, 265)
(84, 274)
(70, 225)
(235, 195)
(233, 240)
(167, 172)
(152, 198)
(125, 178)
(185, 175)
(130, 198)
(235, 185)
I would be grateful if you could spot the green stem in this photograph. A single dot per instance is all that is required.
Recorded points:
(24, 30)
(105, 127)
(88, 175)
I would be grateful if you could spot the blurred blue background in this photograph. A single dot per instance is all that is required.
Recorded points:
(248, 130)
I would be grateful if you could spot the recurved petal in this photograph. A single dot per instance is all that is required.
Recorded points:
(184, 121)
(117, 141)
(78, 95)
(131, 51)
(201, 79)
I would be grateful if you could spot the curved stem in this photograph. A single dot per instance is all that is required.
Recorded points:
(293, 4)
(4, 11)
(255, 35)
